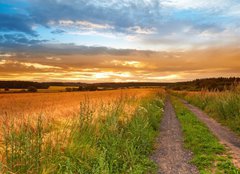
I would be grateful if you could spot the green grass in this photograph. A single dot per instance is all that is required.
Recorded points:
(222, 106)
(109, 146)
(208, 154)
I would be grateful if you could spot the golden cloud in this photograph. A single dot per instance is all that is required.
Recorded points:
(133, 66)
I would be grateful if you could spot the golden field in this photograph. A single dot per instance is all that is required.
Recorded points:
(41, 132)
(58, 104)
(60, 107)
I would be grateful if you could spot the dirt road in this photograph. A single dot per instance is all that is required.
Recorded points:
(170, 155)
(225, 136)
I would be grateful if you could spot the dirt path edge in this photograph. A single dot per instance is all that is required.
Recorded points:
(225, 136)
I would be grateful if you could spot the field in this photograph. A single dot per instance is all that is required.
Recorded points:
(79, 132)
(144, 130)
(61, 105)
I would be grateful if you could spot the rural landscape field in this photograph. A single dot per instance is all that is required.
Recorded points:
(89, 132)
(119, 87)
(131, 130)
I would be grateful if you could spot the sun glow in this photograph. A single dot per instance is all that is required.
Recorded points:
(112, 75)
(128, 63)
(167, 77)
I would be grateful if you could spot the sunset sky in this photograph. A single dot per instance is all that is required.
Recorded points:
(119, 40)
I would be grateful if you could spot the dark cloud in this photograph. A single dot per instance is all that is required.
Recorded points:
(58, 31)
(17, 41)
(22, 44)
(121, 15)
(16, 23)
(148, 23)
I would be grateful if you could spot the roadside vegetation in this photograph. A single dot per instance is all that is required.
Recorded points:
(208, 154)
(222, 106)
(117, 141)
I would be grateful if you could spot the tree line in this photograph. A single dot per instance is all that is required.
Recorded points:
(220, 84)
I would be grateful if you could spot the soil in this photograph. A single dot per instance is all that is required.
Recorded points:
(170, 154)
(226, 136)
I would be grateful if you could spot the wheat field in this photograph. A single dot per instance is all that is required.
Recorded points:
(40, 131)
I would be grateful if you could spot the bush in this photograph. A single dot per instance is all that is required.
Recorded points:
(81, 88)
(6, 89)
(71, 89)
(32, 89)
(68, 89)
(91, 88)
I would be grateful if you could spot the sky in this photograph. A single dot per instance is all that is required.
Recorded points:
(119, 40)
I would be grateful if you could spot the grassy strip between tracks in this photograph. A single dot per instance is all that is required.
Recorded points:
(208, 154)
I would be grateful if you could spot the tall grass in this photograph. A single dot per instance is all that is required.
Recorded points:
(208, 154)
(108, 144)
(223, 106)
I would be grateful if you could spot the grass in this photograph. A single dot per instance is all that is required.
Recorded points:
(222, 106)
(109, 144)
(208, 154)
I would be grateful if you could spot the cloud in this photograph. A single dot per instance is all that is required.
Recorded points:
(95, 14)
(27, 64)
(85, 25)
(58, 31)
(3, 55)
(156, 24)
(79, 27)
(192, 4)
(49, 38)
(53, 58)
(63, 49)
(12, 41)
(140, 30)
(127, 63)
(165, 78)
(17, 23)
(234, 11)
(133, 65)
(39, 66)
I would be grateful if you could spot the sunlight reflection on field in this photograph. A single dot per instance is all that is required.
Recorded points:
(59, 107)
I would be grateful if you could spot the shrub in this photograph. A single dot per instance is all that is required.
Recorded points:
(32, 89)
(6, 89)
(91, 88)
